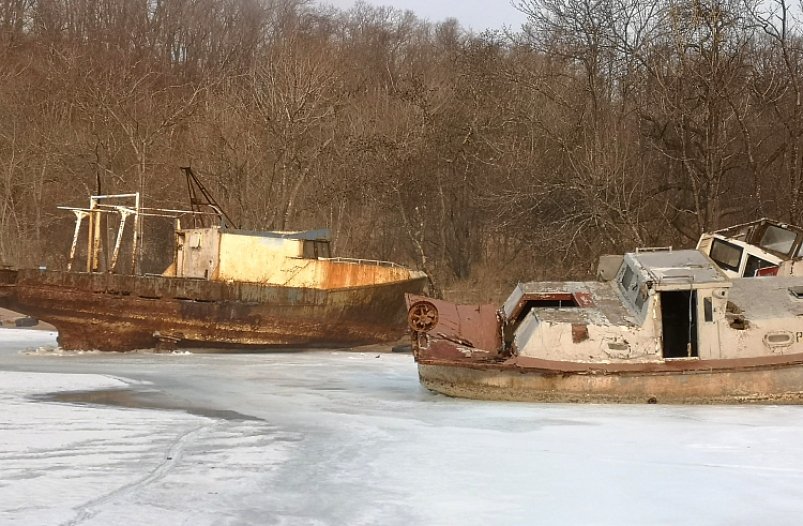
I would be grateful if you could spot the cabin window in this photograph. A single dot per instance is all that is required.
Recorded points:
(323, 249)
(627, 279)
(777, 239)
(744, 234)
(726, 255)
(796, 292)
(754, 264)
(708, 309)
(316, 249)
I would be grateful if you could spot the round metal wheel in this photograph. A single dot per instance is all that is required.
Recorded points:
(422, 316)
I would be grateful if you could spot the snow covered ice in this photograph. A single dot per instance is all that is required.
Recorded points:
(339, 438)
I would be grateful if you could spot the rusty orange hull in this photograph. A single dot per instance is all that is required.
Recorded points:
(749, 381)
(112, 312)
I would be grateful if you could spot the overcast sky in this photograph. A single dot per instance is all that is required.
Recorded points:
(477, 15)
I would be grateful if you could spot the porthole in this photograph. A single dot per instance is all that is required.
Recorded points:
(778, 339)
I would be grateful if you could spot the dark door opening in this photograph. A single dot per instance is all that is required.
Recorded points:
(679, 322)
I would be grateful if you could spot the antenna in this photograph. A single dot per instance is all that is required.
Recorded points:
(200, 198)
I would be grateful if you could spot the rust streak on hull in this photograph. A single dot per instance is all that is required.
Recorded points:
(118, 313)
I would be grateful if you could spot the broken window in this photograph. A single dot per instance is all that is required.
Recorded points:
(754, 264)
(627, 279)
(726, 255)
(777, 239)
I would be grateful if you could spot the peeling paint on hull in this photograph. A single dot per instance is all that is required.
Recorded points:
(112, 312)
(670, 327)
(760, 384)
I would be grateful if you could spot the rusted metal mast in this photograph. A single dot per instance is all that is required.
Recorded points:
(200, 198)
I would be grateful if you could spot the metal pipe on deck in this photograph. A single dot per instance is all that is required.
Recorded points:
(137, 236)
(93, 257)
(79, 219)
(124, 213)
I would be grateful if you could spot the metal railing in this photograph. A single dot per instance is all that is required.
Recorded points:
(357, 261)
(643, 250)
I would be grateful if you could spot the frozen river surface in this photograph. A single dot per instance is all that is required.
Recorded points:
(337, 438)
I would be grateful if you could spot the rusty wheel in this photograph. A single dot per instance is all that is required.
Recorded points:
(422, 316)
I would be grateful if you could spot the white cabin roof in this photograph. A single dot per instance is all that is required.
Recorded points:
(690, 267)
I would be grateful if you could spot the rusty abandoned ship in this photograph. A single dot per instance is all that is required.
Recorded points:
(225, 288)
(720, 324)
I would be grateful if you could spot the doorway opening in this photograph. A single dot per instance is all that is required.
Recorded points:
(679, 323)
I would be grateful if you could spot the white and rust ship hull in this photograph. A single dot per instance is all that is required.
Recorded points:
(113, 312)
(664, 327)
(459, 351)
(767, 380)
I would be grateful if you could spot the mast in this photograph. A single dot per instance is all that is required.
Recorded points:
(201, 198)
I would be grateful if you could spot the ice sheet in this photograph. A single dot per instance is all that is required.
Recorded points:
(338, 438)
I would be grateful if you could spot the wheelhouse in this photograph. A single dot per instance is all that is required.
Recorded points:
(753, 249)
(685, 293)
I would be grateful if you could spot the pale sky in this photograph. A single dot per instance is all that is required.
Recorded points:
(477, 15)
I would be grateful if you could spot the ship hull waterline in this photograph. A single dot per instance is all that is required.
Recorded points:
(759, 382)
(110, 312)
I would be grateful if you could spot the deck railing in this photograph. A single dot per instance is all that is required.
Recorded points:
(356, 261)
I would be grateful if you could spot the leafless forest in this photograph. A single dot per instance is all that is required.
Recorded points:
(483, 159)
